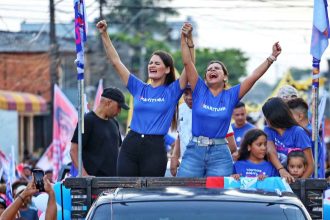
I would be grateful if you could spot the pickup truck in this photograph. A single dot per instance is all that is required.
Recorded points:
(178, 203)
(180, 198)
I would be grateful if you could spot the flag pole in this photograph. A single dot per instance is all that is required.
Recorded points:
(80, 124)
(315, 104)
(319, 43)
(80, 32)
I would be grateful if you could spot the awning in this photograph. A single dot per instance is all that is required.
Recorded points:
(22, 102)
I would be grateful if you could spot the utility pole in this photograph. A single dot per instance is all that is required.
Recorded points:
(142, 49)
(101, 8)
(142, 61)
(101, 2)
(53, 55)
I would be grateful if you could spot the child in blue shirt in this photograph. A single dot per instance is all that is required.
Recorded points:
(252, 157)
(296, 163)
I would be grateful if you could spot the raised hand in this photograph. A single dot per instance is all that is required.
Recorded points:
(276, 49)
(47, 185)
(102, 26)
(30, 190)
(187, 29)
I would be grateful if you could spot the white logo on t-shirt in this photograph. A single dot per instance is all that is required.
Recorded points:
(214, 109)
(152, 99)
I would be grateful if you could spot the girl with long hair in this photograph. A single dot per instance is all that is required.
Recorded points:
(143, 151)
(252, 160)
(284, 135)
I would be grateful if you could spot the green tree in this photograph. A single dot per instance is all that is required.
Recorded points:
(140, 16)
(234, 59)
(150, 46)
(142, 21)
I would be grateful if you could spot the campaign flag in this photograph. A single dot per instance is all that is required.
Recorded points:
(320, 32)
(11, 175)
(98, 94)
(80, 33)
(65, 119)
(4, 164)
(7, 172)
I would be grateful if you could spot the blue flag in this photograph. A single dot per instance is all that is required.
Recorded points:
(320, 33)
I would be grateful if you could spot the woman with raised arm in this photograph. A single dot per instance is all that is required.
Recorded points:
(143, 151)
(207, 153)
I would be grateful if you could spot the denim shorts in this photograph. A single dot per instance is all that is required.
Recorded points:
(204, 161)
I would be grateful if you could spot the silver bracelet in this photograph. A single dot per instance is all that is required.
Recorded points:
(273, 58)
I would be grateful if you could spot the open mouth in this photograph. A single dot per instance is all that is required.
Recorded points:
(152, 71)
(213, 76)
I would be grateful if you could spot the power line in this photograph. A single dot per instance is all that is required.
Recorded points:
(214, 7)
(23, 9)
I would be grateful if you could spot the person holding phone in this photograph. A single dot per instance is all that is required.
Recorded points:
(23, 196)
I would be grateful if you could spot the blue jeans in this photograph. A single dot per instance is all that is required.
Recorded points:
(201, 161)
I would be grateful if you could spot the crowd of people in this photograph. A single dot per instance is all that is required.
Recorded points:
(208, 144)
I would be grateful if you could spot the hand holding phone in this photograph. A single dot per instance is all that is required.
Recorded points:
(38, 179)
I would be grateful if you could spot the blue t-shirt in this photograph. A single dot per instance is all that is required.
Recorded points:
(153, 107)
(29, 214)
(240, 132)
(293, 138)
(321, 154)
(248, 169)
(211, 115)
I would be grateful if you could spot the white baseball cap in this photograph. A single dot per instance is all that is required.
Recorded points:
(287, 92)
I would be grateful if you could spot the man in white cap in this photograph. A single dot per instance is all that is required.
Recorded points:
(287, 93)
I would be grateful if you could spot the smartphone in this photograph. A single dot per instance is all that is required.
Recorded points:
(38, 179)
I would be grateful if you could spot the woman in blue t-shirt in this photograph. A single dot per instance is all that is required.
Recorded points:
(143, 151)
(252, 160)
(208, 154)
(284, 135)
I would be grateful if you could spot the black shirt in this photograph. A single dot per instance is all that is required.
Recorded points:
(100, 143)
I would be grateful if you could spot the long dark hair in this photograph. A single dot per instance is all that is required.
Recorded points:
(248, 139)
(170, 77)
(278, 114)
(224, 68)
